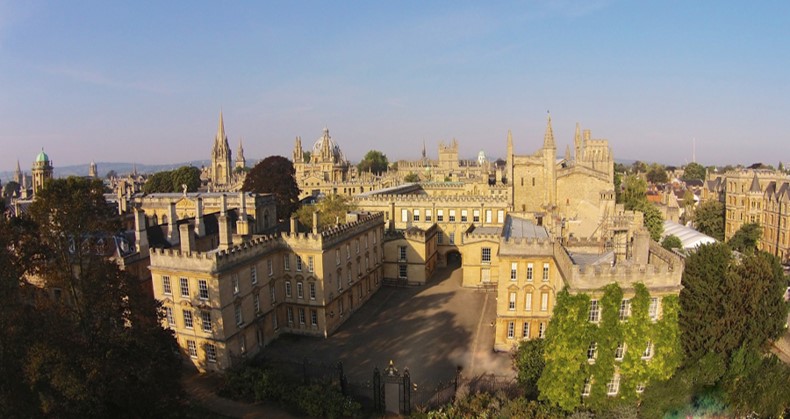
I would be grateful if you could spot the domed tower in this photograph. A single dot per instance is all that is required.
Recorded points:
(42, 170)
(221, 157)
(92, 170)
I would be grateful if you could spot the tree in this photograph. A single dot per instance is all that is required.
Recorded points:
(634, 192)
(275, 175)
(374, 161)
(99, 350)
(653, 221)
(111, 174)
(173, 180)
(756, 383)
(657, 174)
(671, 241)
(694, 171)
(411, 177)
(638, 167)
(709, 219)
(528, 363)
(726, 304)
(746, 238)
(331, 210)
(689, 204)
(11, 188)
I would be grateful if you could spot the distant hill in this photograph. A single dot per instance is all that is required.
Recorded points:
(104, 167)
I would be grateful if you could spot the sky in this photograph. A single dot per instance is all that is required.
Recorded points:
(145, 81)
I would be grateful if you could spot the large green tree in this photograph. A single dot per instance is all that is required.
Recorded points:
(275, 175)
(657, 174)
(173, 180)
(709, 219)
(331, 210)
(694, 171)
(97, 349)
(374, 161)
(746, 238)
(528, 363)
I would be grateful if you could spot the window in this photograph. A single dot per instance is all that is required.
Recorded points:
(587, 386)
(428, 215)
(464, 216)
(648, 351)
(356, 243)
(312, 290)
(612, 387)
(653, 309)
(592, 351)
(184, 287)
(511, 330)
(440, 238)
(512, 302)
(500, 216)
(202, 289)
(488, 216)
(275, 325)
(544, 301)
(298, 263)
(192, 348)
(625, 309)
(290, 314)
(166, 289)
(301, 316)
(439, 215)
(310, 264)
(401, 252)
(348, 251)
(342, 306)
(314, 318)
(205, 320)
(287, 289)
(476, 216)
(542, 330)
(485, 255)
(529, 272)
(416, 215)
(337, 256)
(348, 275)
(452, 216)
(273, 294)
(256, 303)
(299, 290)
(485, 275)
(171, 320)
(402, 271)
(187, 319)
(595, 311)
(287, 262)
(235, 284)
(525, 331)
(545, 272)
(452, 238)
(528, 301)
(238, 314)
(513, 271)
(619, 352)
(404, 215)
(211, 353)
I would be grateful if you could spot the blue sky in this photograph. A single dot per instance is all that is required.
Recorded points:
(145, 81)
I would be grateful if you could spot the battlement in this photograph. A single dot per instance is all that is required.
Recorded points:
(439, 200)
(174, 258)
(248, 249)
(365, 221)
(592, 278)
(527, 246)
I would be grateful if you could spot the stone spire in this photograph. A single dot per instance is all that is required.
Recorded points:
(298, 152)
(221, 140)
(577, 141)
(241, 162)
(18, 173)
(567, 153)
(221, 156)
(548, 138)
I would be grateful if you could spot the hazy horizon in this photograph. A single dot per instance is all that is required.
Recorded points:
(144, 82)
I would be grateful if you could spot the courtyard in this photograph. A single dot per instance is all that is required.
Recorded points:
(431, 330)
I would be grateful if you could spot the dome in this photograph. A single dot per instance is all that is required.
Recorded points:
(337, 154)
(42, 156)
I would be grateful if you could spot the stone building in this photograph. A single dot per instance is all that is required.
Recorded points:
(221, 170)
(42, 171)
(226, 302)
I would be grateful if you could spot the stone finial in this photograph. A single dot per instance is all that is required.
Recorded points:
(548, 137)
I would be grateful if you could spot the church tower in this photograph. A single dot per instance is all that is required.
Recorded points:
(18, 174)
(550, 165)
(42, 171)
(92, 171)
(220, 157)
(241, 162)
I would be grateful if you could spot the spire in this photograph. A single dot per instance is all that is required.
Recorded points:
(567, 153)
(755, 184)
(240, 154)
(548, 138)
(577, 141)
(220, 130)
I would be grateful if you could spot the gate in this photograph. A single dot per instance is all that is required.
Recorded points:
(392, 392)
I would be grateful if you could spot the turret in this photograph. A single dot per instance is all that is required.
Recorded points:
(241, 162)
(298, 156)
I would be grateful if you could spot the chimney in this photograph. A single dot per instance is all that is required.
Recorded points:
(172, 218)
(200, 226)
(294, 225)
(225, 234)
(140, 233)
(641, 249)
(315, 222)
(620, 245)
(242, 224)
(187, 238)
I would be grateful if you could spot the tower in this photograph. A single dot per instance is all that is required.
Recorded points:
(92, 170)
(42, 171)
(220, 157)
(298, 156)
(549, 165)
(18, 174)
(241, 162)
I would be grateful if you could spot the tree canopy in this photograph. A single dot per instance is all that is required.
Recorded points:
(411, 177)
(709, 219)
(275, 175)
(746, 238)
(694, 171)
(331, 209)
(634, 198)
(173, 180)
(95, 347)
(374, 161)
(657, 174)
(671, 241)
(528, 363)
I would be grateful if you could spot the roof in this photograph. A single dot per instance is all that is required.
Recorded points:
(689, 237)
(522, 228)
(42, 156)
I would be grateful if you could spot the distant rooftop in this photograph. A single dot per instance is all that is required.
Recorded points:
(521, 228)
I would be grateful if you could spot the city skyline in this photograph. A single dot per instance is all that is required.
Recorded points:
(145, 83)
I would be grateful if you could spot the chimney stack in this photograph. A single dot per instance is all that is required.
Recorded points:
(294, 225)
(140, 233)
(200, 226)
(187, 238)
(315, 222)
(172, 219)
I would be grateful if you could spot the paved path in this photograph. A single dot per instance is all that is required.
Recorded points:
(201, 388)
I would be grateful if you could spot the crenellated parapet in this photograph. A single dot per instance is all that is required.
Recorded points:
(531, 246)
(592, 278)
(186, 261)
(249, 249)
(333, 235)
(408, 199)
